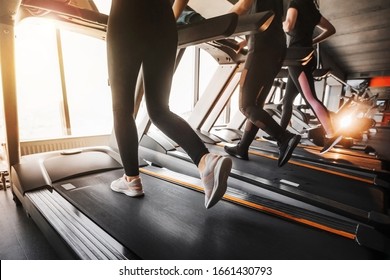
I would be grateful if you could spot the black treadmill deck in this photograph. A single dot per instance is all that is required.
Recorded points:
(170, 222)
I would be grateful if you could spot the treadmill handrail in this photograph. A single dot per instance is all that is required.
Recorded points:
(207, 30)
(204, 31)
(254, 23)
(66, 9)
(219, 27)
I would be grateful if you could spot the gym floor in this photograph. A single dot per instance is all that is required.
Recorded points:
(20, 238)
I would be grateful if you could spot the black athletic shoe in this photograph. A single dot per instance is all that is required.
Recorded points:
(286, 148)
(269, 138)
(235, 151)
(329, 143)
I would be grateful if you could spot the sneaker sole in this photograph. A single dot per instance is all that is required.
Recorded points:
(289, 151)
(224, 165)
(126, 192)
(335, 142)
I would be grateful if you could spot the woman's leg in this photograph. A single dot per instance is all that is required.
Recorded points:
(261, 67)
(124, 60)
(256, 81)
(288, 103)
(158, 69)
(263, 64)
(303, 79)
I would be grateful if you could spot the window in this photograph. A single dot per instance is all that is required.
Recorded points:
(208, 66)
(62, 81)
(43, 97)
(2, 123)
(87, 86)
(38, 80)
(182, 94)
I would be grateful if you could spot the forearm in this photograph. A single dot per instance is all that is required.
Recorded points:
(291, 19)
(241, 7)
(288, 26)
(178, 7)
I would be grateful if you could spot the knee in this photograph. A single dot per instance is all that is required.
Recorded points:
(157, 114)
(244, 107)
(153, 116)
(246, 110)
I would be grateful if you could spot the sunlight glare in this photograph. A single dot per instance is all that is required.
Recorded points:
(346, 121)
(103, 6)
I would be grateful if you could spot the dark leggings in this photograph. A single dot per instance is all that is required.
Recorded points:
(301, 80)
(144, 33)
(288, 102)
(265, 58)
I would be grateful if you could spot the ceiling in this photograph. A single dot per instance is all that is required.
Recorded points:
(361, 45)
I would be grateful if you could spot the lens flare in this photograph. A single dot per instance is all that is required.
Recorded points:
(345, 122)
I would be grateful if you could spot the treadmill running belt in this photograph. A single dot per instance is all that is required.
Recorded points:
(170, 222)
(355, 193)
(338, 157)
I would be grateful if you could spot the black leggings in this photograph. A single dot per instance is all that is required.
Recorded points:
(144, 33)
(265, 58)
(288, 102)
(301, 80)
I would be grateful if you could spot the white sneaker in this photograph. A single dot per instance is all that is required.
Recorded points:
(214, 178)
(133, 188)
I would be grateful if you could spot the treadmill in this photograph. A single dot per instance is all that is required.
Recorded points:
(313, 180)
(351, 193)
(84, 219)
(67, 194)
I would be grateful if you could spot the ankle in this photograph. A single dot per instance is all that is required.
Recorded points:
(284, 136)
(242, 148)
(130, 178)
(202, 163)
